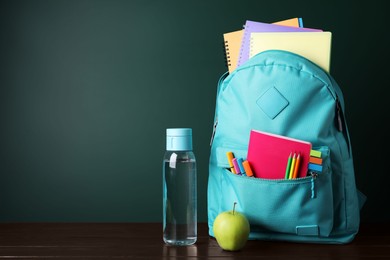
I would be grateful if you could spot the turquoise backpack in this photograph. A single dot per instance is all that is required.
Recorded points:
(302, 101)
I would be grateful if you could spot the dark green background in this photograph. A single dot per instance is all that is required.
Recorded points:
(87, 89)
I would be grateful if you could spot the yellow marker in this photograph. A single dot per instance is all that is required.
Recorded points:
(292, 167)
(230, 157)
(247, 168)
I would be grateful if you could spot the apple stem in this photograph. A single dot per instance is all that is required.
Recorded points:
(234, 206)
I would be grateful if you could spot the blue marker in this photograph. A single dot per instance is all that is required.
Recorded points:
(241, 166)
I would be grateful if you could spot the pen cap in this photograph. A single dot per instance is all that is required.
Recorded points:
(179, 139)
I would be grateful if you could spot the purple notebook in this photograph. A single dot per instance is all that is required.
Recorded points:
(251, 27)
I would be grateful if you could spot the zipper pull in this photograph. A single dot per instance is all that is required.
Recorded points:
(339, 115)
(214, 129)
(313, 178)
(341, 123)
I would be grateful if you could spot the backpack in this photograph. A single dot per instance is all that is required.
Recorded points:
(323, 208)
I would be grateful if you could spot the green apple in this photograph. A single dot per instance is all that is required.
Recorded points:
(231, 230)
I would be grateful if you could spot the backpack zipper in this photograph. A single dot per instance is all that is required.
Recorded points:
(313, 178)
(340, 123)
(339, 114)
(214, 129)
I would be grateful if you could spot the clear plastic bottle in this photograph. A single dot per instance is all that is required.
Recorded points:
(179, 189)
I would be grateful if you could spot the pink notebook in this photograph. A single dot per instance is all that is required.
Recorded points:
(268, 154)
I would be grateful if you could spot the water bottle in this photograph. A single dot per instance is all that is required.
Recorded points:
(179, 189)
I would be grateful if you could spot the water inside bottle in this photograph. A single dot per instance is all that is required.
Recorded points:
(180, 202)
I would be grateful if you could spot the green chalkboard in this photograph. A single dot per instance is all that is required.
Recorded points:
(87, 89)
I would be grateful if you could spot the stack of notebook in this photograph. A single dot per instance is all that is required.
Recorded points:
(288, 35)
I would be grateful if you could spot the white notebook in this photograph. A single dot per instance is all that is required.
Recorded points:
(315, 46)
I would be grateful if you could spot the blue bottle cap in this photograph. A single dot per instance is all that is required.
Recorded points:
(179, 139)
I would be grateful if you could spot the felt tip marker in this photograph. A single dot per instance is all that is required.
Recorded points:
(230, 157)
(248, 169)
(239, 162)
(236, 167)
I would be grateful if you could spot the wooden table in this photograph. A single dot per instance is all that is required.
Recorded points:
(144, 241)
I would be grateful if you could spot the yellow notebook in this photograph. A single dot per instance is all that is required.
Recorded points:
(315, 46)
(233, 42)
(232, 48)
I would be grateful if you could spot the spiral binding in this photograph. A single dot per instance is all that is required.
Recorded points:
(227, 54)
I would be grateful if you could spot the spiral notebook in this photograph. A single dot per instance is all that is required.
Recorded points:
(315, 46)
(252, 27)
(232, 41)
(232, 48)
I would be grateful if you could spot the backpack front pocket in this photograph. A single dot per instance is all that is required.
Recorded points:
(302, 206)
